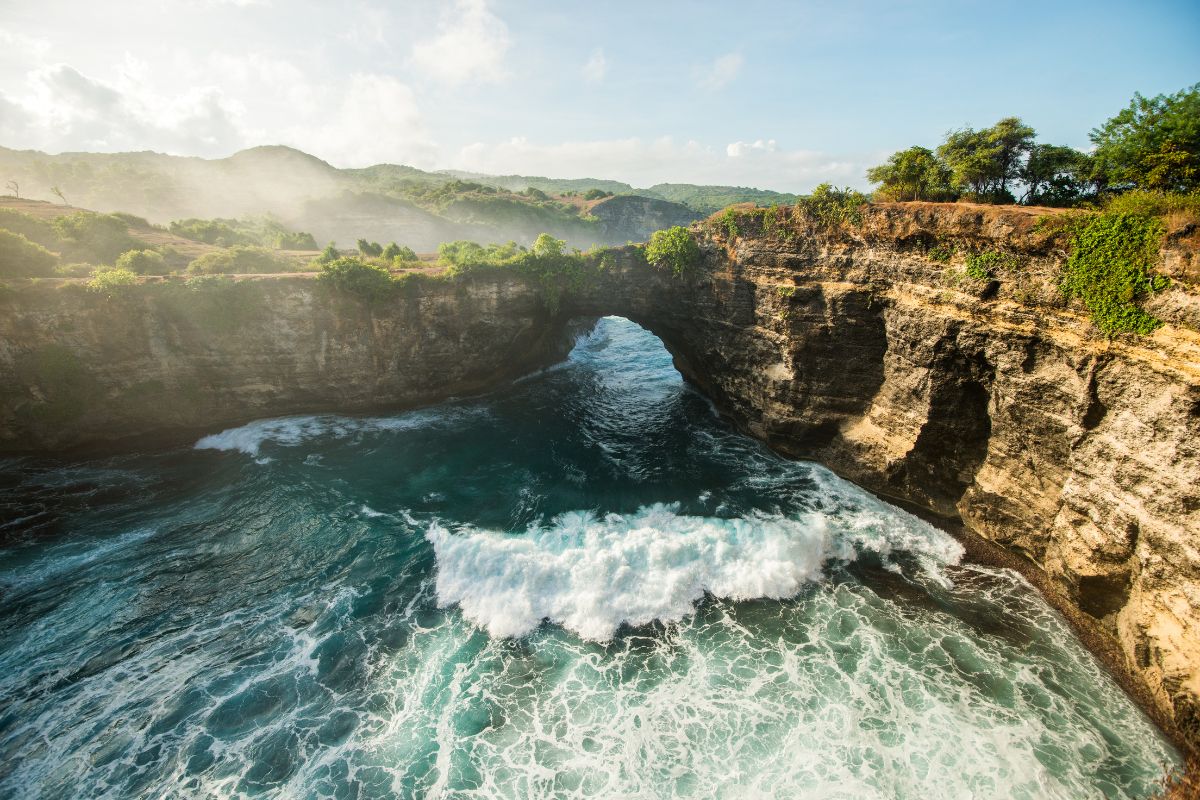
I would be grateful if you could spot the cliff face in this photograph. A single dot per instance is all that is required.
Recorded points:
(986, 400)
(77, 368)
(865, 347)
(626, 218)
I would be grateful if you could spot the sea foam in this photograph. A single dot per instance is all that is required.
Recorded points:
(592, 573)
(291, 431)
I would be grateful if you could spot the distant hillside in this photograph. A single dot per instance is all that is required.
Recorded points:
(385, 201)
(707, 199)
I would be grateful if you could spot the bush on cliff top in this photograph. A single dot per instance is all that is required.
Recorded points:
(674, 248)
(353, 276)
(21, 258)
(241, 259)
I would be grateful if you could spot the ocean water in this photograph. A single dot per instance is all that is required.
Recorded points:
(583, 585)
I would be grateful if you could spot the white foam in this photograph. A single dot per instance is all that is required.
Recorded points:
(291, 431)
(592, 574)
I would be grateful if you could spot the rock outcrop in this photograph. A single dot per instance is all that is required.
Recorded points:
(161, 361)
(867, 347)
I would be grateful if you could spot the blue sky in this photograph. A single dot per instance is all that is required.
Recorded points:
(777, 95)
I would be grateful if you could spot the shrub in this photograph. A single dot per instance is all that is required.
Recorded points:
(100, 238)
(399, 254)
(1154, 204)
(21, 258)
(238, 260)
(674, 248)
(354, 276)
(1109, 269)
(35, 230)
(832, 206)
(143, 262)
(370, 249)
(596, 194)
(288, 240)
(983, 266)
(329, 254)
(111, 281)
(219, 232)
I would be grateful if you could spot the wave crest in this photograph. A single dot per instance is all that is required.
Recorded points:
(591, 573)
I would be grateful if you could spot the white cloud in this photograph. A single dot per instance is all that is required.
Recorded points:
(377, 121)
(720, 73)
(646, 162)
(739, 149)
(64, 109)
(470, 45)
(596, 67)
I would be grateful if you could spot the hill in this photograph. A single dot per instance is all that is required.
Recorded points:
(384, 201)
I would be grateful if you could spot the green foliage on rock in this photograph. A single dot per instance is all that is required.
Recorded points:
(143, 262)
(985, 266)
(21, 258)
(112, 281)
(354, 276)
(1109, 269)
(238, 260)
(673, 248)
(831, 206)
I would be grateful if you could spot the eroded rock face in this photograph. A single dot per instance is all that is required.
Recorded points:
(77, 368)
(867, 348)
(986, 400)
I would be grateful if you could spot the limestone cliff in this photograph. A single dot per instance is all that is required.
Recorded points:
(163, 361)
(867, 347)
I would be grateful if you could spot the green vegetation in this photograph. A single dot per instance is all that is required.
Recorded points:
(356, 277)
(111, 281)
(832, 207)
(399, 254)
(261, 232)
(21, 258)
(370, 249)
(913, 174)
(88, 236)
(1152, 145)
(1110, 270)
(711, 199)
(984, 266)
(240, 259)
(547, 264)
(674, 248)
(143, 262)
(941, 252)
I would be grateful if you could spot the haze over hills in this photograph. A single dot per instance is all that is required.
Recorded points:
(384, 201)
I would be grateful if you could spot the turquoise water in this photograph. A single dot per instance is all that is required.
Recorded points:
(582, 585)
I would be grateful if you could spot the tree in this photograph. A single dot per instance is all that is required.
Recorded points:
(399, 253)
(370, 249)
(329, 254)
(1054, 175)
(1154, 143)
(674, 248)
(15, 188)
(142, 262)
(546, 246)
(58, 192)
(984, 162)
(913, 174)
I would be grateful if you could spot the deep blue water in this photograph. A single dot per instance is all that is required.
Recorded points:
(582, 585)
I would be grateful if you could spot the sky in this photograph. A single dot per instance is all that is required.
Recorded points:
(778, 95)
